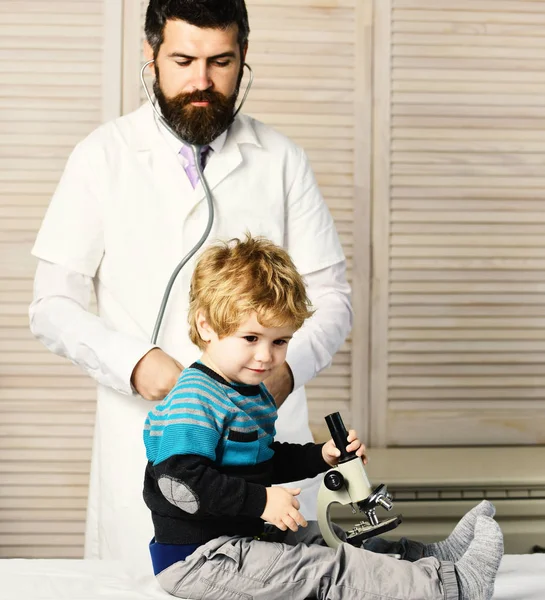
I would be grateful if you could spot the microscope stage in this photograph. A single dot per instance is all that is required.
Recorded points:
(362, 531)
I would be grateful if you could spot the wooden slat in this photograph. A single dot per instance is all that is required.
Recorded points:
(489, 6)
(469, 63)
(469, 357)
(486, 426)
(26, 540)
(442, 40)
(47, 453)
(494, 15)
(47, 551)
(455, 398)
(15, 8)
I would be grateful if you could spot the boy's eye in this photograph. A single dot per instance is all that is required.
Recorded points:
(250, 338)
(280, 342)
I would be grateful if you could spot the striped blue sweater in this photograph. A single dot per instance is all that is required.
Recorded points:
(228, 424)
(211, 455)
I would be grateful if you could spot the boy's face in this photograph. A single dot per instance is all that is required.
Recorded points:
(250, 354)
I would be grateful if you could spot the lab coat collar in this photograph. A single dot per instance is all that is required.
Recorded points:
(149, 140)
(167, 171)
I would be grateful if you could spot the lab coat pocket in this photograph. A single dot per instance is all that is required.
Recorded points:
(241, 448)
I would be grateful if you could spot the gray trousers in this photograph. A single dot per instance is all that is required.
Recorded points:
(296, 566)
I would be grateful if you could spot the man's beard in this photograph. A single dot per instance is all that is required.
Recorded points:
(197, 125)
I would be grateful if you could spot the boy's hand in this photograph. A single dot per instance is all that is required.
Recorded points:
(282, 508)
(331, 453)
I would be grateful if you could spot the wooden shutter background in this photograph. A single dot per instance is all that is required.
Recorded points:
(303, 55)
(451, 117)
(54, 90)
(458, 345)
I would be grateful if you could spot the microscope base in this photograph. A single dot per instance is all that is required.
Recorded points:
(364, 530)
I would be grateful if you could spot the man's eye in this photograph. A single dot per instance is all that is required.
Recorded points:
(223, 63)
(250, 338)
(184, 63)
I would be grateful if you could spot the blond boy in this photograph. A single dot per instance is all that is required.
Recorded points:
(221, 529)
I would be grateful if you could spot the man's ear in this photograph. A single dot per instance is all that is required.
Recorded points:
(205, 331)
(244, 52)
(148, 52)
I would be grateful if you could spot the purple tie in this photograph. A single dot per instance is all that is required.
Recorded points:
(191, 167)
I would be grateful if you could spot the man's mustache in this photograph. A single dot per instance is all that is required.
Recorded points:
(200, 96)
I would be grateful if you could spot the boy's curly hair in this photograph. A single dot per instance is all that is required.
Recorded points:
(233, 279)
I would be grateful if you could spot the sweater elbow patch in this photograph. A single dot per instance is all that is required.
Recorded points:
(179, 494)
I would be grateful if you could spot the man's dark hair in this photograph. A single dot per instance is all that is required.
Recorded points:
(214, 14)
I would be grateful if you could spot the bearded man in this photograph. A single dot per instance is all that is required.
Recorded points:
(129, 206)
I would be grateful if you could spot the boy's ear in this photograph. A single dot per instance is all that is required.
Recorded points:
(204, 329)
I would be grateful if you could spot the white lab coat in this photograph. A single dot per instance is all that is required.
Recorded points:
(125, 213)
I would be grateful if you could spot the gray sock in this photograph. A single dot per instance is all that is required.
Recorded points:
(476, 570)
(455, 546)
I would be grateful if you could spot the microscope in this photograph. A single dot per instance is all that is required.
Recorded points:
(347, 483)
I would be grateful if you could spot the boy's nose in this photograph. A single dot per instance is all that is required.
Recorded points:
(263, 354)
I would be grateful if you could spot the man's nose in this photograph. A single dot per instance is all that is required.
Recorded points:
(201, 76)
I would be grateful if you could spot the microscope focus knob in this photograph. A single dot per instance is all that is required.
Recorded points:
(333, 480)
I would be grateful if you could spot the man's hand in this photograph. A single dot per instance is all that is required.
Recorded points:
(280, 384)
(282, 508)
(330, 453)
(155, 374)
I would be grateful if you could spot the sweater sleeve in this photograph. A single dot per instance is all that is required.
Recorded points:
(193, 485)
(292, 462)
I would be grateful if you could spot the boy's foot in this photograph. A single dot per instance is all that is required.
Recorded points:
(476, 570)
(455, 546)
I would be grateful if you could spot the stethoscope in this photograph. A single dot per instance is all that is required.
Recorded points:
(209, 200)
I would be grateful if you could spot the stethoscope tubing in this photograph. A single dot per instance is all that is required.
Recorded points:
(209, 199)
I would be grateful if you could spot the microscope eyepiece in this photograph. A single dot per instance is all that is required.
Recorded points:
(339, 434)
